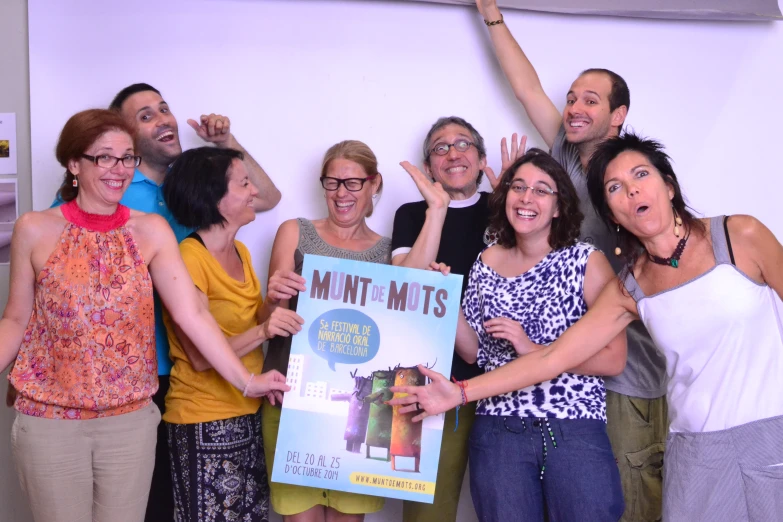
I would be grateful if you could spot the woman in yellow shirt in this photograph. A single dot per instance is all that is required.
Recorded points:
(217, 458)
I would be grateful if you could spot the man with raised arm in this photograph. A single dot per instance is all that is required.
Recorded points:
(448, 228)
(596, 106)
(157, 142)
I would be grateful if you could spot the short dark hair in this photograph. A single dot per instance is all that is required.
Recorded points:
(619, 95)
(127, 92)
(606, 152)
(79, 133)
(196, 183)
(478, 141)
(565, 228)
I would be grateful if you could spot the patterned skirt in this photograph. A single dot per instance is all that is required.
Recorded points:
(218, 470)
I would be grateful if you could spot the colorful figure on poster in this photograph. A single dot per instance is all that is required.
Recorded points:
(358, 412)
(406, 434)
(380, 423)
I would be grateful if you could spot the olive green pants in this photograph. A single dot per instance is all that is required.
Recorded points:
(637, 430)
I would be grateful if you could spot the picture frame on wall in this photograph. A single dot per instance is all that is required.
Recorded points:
(8, 143)
(9, 200)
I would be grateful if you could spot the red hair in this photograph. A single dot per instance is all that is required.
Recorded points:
(80, 132)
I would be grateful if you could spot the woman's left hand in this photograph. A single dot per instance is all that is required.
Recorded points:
(270, 385)
(511, 331)
(284, 284)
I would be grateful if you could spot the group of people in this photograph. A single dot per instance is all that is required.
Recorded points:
(602, 322)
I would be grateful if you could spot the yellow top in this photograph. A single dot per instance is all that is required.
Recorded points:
(205, 396)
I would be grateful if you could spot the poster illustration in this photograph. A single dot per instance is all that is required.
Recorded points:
(367, 327)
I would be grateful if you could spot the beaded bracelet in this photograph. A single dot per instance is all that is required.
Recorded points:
(247, 385)
(462, 385)
(494, 22)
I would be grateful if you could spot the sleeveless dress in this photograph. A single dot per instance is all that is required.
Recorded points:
(288, 499)
(89, 348)
(722, 337)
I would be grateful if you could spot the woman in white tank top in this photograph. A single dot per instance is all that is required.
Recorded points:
(709, 292)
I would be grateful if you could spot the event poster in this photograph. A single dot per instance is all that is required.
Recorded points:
(367, 327)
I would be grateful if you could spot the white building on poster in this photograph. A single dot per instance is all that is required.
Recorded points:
(316, 390)
(336, 391)
(294, 376)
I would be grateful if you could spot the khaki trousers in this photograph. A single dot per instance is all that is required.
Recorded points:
(637, 429)
(86, 470)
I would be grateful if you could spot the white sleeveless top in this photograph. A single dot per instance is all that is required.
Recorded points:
(722, 337)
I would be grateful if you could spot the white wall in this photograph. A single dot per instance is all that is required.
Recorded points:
(297, 76)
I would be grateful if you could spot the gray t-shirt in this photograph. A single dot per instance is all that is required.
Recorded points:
(645, 373)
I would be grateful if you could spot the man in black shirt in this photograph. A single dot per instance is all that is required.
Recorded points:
(449, 227)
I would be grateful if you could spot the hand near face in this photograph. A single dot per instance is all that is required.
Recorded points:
(433, 193)
(507, 159)
(511, 331)
(214, 128)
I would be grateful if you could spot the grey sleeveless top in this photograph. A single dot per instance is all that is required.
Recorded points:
(311, 243)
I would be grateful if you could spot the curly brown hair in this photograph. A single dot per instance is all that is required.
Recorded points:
(565, 228)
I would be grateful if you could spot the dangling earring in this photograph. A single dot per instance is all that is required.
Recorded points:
(617, 249)
(677, 222)
(75, 182)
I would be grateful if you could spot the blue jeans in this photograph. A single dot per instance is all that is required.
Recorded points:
(580, 480)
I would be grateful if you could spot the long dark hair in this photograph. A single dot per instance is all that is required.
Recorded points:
(565, 228)
(652, 150)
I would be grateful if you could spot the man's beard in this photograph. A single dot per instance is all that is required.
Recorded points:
(153, 153)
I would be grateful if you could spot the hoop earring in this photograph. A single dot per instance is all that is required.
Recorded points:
(617, 249)
(677, 222)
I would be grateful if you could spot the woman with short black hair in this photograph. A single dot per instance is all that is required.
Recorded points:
(217, 458)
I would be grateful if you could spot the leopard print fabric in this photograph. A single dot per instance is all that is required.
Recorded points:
(546, 300)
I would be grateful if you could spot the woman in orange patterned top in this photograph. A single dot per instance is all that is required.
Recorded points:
(79, 327)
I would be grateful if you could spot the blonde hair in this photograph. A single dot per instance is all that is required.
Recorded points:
(358, 152)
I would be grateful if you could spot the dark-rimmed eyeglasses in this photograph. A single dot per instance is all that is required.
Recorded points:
(441, 149)
(105, 161)
(541, 191)
(351, 184)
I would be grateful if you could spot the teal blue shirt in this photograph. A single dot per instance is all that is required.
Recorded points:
(145, 195)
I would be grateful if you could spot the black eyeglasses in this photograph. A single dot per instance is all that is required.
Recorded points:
(351, 184)
(441, 149)
(105, 161)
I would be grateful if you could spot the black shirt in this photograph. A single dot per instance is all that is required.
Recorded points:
(461, 241)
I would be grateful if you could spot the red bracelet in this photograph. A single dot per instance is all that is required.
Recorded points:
(462, 385)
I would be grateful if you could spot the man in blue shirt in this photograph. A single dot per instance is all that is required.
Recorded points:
(157, 142)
